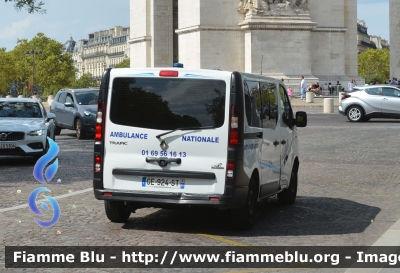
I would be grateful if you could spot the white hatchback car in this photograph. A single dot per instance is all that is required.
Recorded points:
(24, 127)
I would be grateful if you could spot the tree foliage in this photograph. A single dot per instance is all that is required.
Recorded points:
(374, 65)
(84, 81)
(53, 68)
(124, 64)
(31, 6)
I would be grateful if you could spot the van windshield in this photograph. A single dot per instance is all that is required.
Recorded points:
(167, 104)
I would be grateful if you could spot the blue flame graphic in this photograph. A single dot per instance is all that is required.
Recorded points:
(32, 205)
(42, 165)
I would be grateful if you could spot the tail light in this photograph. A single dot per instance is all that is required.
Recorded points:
(97, 163)
(99, 121)
(233, 127)
(229, 169)
(345, 96)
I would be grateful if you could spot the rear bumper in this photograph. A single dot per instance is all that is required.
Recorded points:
(341, 111)
(234, 197)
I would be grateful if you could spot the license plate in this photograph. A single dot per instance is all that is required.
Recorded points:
(7, 145)
(158, 182)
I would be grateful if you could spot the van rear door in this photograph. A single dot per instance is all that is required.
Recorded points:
(167, 134)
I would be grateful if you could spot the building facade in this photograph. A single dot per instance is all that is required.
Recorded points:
(366, 41)
(102, 49)
(283, 39)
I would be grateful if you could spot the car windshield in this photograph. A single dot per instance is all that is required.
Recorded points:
(9, 109)
(87, 98)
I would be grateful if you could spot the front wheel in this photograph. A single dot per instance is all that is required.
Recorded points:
(288, 196)
(116, 211)
(244, 218)
(355, 114)
(80, 134)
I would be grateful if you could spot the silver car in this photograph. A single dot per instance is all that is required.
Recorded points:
(24, 127)
(371, 101)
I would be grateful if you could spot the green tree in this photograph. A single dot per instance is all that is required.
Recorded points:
(7, 71)
(53, 68)
(124, 64)
(31, 5)
(374, 65)
(84, 81)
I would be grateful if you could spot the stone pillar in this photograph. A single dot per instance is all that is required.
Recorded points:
(394, 7)
(50, 99)
(309, 97)
(350, 44)
(329, 106)
(151, 38)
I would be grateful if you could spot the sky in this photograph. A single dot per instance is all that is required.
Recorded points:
(81, 17)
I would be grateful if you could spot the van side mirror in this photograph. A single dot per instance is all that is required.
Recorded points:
(301, 119)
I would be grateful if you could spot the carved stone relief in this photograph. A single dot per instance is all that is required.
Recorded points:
(273, 7)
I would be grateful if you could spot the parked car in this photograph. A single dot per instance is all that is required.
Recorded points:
(24, 127)
(76, 109)
(371, 101)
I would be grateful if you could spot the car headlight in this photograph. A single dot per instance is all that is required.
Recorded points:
(37, 132)
(89, 114)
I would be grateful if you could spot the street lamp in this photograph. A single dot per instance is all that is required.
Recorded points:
(33, 52)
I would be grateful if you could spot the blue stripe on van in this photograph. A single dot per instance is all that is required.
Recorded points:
(270, 166)
(197, 76)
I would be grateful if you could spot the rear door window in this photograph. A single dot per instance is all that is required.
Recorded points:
(168, 104)
(62, 97)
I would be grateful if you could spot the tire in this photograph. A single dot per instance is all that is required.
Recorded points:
(80, 134)
(355, 114)
(36, 157)
(116, 211)
(57, 130)
(288, 196)
(244, 218)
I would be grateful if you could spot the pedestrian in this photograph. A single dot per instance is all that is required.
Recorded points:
(351, 84)
(290, 92)
(282, 80)
(303, 86)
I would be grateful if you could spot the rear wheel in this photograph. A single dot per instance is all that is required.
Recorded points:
(288, 196)
(355, 114)
(116, 211)
(80, 134)
(244, 218)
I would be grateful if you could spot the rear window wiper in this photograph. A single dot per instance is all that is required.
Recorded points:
(186, 129)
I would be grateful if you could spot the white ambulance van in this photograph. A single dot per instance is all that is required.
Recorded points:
(168, 137)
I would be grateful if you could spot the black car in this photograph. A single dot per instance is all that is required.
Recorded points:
(76, 109)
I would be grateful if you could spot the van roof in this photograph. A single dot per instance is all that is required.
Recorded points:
(186, 73)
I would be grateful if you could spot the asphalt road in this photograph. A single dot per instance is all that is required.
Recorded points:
(349, 188)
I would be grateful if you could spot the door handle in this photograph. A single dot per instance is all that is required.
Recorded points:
(276, 143)
(283, 142)
(259, 135)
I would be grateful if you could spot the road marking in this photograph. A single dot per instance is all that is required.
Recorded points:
(55, 197)
(332, 213)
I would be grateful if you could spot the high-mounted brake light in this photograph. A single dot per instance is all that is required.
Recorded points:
(169, 73)
(234, 125)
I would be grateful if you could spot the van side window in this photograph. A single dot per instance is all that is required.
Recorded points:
(251, 99)
(287, 112)
(269, 109)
